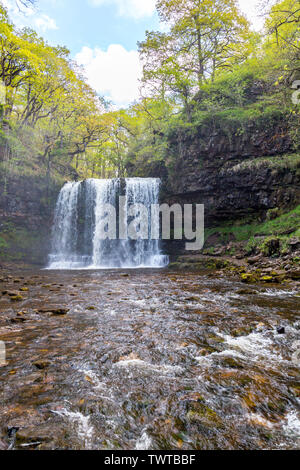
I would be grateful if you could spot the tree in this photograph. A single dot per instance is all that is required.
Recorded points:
(282, 44)
(48, 103)
(210, 32)
(19, 58)
(283, 22)
(205, 36)
(25, 3)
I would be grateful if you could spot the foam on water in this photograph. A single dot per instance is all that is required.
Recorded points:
(147, 366)
(81, 424)
(144, 442)
(292, 424)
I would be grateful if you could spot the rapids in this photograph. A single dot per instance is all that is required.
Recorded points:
(150, 359)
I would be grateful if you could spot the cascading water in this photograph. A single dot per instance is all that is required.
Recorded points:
(76, 239)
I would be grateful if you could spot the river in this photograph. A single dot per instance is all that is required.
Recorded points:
(148, 359)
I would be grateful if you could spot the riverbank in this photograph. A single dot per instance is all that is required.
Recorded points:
(253, 250)
(249, 270)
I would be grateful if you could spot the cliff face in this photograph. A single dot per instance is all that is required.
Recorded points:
(234, 176)
(26, 211)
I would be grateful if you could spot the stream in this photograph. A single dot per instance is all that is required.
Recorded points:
(148, 359)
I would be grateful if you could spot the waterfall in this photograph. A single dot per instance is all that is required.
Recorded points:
(78, 223)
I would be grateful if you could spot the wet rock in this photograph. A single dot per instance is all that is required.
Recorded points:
(11, 433)
(203, 415)
(54, 310)
(244, 292)
(131, 357)
(248, 278)
(60, 311)
(204, 352)
(294, 242)
(215, 339)
(254, 259)
(281, 330)
(271, 246)
(266, 279)
(16, 298)
(42, 364)
(22, 313)
(10, 293)
(279, 275)
(3, 445)
(237, 332)
(218, 251)
(295, 275)
(12, 430)
(18, 320)
(231, 363)
(33, 434)
(251, 400)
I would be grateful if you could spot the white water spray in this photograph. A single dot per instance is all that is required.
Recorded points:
(76, 240)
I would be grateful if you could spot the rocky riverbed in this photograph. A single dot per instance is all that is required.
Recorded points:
(148, 359)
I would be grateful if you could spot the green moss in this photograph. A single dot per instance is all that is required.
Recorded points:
(201, 414)
(267, 279)
(261, 235)
(248, 278)
(21, 244)
(16, 298)
(290, 162)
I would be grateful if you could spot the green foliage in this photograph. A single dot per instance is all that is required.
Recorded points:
(51, 117)
(289, 162)
(252, 92)
(202, 38)
(260, 235)
(207, 73)
(280, 225)
(288, 222)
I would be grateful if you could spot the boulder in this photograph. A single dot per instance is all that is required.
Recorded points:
(54, 310)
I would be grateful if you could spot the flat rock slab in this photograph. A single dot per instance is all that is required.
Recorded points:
(54, 310)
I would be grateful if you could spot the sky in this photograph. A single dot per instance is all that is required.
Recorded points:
(102, 36)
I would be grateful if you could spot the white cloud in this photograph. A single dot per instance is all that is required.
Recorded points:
(114, 73)
(132, 8)
(44, 22)
(29, 16)
(254, 12)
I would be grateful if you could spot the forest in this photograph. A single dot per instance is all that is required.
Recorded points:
(200, 72)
